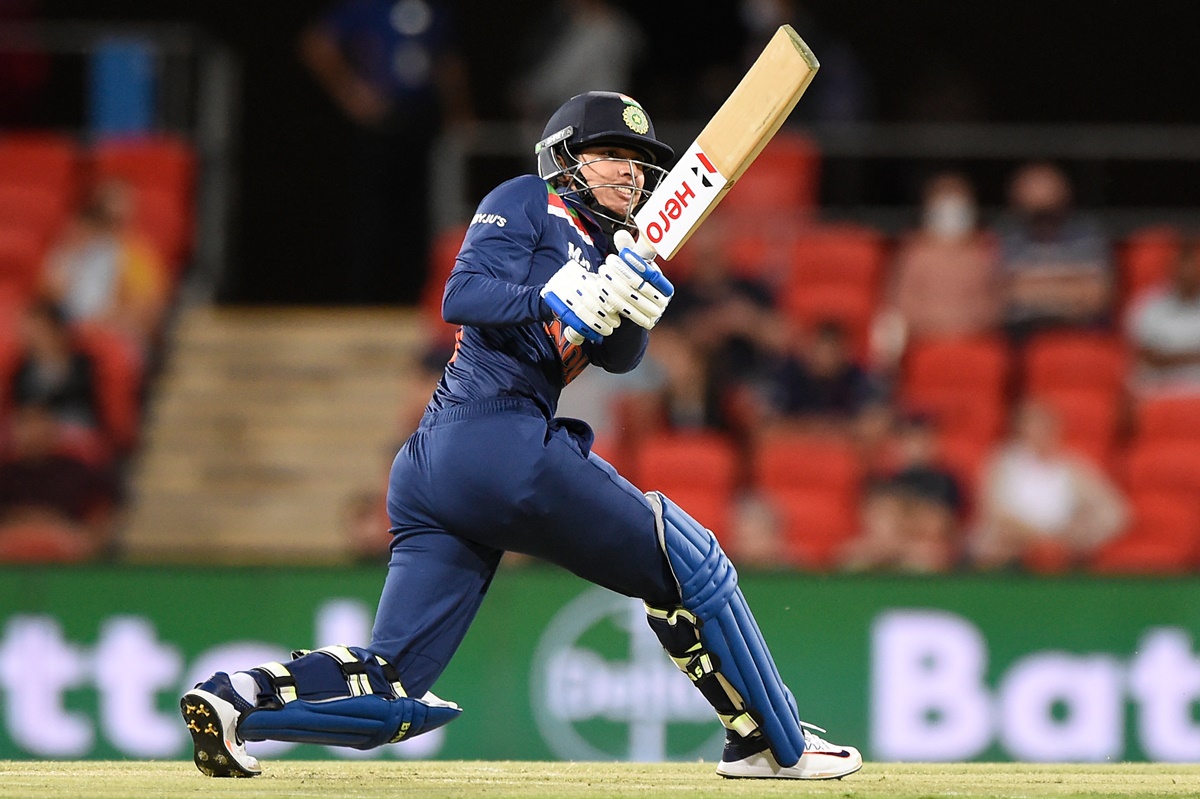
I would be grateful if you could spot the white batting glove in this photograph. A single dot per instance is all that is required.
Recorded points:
(637, 288)
(577, 298)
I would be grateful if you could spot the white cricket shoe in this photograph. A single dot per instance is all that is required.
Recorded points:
(821, 760)
(211, 711)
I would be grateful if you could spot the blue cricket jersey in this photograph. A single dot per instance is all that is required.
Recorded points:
(510, 343)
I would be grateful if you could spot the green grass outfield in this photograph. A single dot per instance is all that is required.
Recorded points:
(341, 780)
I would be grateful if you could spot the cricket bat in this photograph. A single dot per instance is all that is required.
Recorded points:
(725, 149)
(727, 146)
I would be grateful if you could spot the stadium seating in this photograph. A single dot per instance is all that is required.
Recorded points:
(47, 160)
(1145, 260)
(1164, 538)
(22, 253)
(785, 176)
(1167, 418)
(816, 525)
(698, 471)
(962, 383)
(119, 374)
(33, 207)
(1078, 361)
(1089, 421)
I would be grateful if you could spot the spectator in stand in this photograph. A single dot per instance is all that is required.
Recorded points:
(103, 271)
(815, 386)
(1056, 264)
(756, 534)
(686, 399)
(41, 485)
(53, 372)
(392, 68)
(1164, 327)
(586, 45)
(732, 320)
(944, 279)
(912, 517)
(1039, 502)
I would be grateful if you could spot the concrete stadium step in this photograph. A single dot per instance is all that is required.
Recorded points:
(263, 426)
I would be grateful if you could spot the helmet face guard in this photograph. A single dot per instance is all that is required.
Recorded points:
(595, 119)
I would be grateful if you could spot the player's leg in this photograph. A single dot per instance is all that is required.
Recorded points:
(579, 513)
(346, 696)
(712, 636)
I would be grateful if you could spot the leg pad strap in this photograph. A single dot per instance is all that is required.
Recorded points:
(339, 696)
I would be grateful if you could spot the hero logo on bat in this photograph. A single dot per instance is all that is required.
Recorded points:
(681, 201)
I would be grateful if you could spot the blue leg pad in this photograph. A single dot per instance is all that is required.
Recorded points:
(360, 722)
(727, 633)
(339, 696)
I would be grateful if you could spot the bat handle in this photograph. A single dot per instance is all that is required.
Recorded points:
(644, 248)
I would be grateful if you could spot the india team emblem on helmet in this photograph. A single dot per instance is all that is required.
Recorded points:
(636, 119)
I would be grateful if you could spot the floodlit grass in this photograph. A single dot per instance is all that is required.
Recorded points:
(359, 780)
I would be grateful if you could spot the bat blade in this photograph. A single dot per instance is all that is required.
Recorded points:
(729, 143)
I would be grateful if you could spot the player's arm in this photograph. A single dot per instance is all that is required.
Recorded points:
(487, 287)
(621, 351)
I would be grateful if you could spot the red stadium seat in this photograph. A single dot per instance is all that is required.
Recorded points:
(165, 163)
(851, 306)
(787, 462)
(43, 543)
(1164, 538)
(1168, 418)
(1146, 259)
(1095, 362)
(163, 220)
(1164, 466)
(119, 372)
(33, 207)
(683, 461)
(21, 260)
(49, 160)
(961, 383)
(442, 254)
(977, 363)
(1089, 421)
(816, 527)
(974, 414)
(786, 175)
(839, 255)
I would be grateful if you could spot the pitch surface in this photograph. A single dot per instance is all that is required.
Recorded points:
(495, 780)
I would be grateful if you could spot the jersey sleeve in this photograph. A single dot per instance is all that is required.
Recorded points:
(487, 287)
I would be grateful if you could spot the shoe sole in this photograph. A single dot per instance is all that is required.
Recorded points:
(774, 776)
(211, 755)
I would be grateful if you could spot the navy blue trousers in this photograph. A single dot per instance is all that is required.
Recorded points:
(477, 480)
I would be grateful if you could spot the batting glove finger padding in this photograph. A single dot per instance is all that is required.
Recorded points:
(638, 290)
(577, 297)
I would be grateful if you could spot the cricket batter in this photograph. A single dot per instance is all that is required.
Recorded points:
(547, 282)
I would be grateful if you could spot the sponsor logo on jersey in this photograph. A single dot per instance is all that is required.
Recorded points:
(556, 207)
(489, 219)
(576, 254)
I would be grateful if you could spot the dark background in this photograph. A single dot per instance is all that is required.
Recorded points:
(1068, 61)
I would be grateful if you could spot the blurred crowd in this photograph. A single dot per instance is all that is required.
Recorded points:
(1020, 391)
(91, 243)
(1015, 393)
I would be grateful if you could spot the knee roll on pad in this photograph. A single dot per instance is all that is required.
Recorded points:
(339, 696)
(715, 639)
